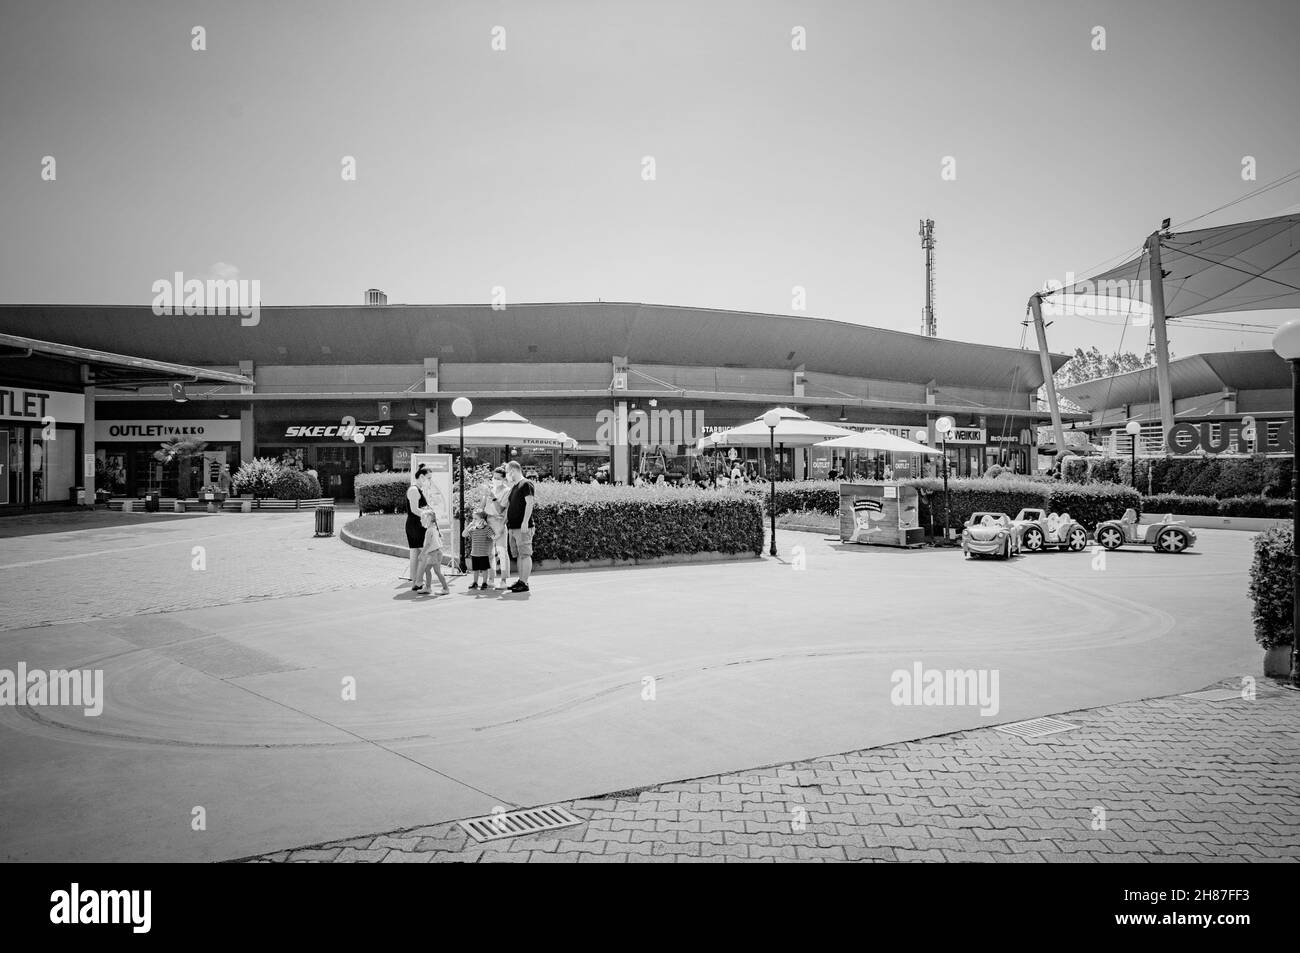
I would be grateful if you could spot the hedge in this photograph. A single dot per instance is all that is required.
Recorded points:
(583, 522)
(292, 484)
(381, 492)
(1090, 504)
(821, 496)
(1252, 506)
(1270, 588)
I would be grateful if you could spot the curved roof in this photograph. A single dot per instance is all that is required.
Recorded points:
(575, 332)
(1188, 377)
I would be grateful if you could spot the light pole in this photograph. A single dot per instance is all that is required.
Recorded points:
(1133, 428)
(462, 408)
(1286, 342)
(770, 420)
(943, 426)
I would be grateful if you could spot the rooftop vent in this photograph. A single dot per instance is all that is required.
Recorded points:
(375, 296)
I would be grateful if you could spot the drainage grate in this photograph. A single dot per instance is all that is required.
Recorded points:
(1036, 727)
(1214, 695)
(535, 820)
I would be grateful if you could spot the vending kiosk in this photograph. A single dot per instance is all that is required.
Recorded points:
(880, 514)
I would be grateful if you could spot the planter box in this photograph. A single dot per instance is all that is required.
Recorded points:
(1277, 661)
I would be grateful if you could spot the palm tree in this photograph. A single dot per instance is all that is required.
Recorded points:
(182, 450)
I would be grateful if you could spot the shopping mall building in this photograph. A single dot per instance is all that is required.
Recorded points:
(306, 372)
(1214, 396)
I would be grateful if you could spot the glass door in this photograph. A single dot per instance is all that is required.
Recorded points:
(337, 468)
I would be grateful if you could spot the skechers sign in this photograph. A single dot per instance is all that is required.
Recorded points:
(1238, 438)
(340, 431)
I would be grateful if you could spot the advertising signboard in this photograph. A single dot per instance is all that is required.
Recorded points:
(439, 497)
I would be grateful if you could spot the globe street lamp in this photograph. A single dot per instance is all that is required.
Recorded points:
(1133, 428)
(1286, 342)
(462, 408)
(943, 426)
(770, 420)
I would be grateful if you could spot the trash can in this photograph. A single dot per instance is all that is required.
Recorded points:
(178, 506)
(325, 521)
(77, 495)
(151, 503)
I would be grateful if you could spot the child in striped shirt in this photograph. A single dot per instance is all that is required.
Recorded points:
(480, 537)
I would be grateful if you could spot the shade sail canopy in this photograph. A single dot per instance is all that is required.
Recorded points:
(793, 430)
(506, 429)
(1249, 266)
(877, 440)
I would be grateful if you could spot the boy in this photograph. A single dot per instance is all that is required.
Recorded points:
(431, 555)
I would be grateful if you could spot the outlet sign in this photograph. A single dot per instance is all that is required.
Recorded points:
(1191, 438)
(152, 431)
(33, 405)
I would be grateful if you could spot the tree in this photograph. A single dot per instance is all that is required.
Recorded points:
(1091, 364)
(182, 450)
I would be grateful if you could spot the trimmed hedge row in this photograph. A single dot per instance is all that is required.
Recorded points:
(1253, 506)
(1239, 476)
(821, 496)
(1270, 588)
(1090, 504)
(381, 492)
(578, 522)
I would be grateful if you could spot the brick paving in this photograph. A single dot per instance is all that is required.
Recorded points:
(1162, 780)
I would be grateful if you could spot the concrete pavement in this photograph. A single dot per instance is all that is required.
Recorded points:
(230, 694)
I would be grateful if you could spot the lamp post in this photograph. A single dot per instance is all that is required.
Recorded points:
(1133, 428)
(770, 420)
(921, 437)
(1286, 342)
(462, 408)
(943, 426)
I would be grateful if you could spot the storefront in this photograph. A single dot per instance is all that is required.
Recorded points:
(338, 448)
(41, 437)
(125, 464)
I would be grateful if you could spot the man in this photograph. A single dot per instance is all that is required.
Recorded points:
(519, 525)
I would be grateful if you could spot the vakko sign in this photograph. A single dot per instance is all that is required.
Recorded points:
(1247, 436)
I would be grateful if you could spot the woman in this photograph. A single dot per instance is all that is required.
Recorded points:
(496, 497)
(416, 505)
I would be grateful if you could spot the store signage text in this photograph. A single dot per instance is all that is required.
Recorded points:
(966, 435)
(342, 431)
(18, 404)
(1189, 438)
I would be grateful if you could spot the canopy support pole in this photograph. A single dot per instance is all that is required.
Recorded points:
(1157, 282)
(1036, 308)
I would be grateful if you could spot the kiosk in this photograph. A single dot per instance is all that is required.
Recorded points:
(880, 514)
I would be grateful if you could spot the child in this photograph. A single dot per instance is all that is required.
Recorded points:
(480, 537)
(431, 555)
(494, 505)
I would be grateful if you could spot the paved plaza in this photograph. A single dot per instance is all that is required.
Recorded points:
(298, 693)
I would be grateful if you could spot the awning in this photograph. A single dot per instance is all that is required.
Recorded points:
(114, 368)
(504, 429)
(793, 430)
(1249, 266)
(878, 440)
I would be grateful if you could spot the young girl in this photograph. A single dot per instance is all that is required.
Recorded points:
(494, 506)
(480, 537)
(431, 555)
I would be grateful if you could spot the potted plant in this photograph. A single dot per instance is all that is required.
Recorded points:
(181, 450)
(1270, 589)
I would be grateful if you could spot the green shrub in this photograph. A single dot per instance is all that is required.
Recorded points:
(293, 484)
(1092, 503)
(823, 496)
(381, 492)
(1270, 588)
(1255, 506)
(1074, 469)
(256, 477)
(1219, 477)
(1180, 504)
(582, 522)
(995, 471)
(1087, 503)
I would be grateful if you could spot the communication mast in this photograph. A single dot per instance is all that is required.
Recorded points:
(929, 325)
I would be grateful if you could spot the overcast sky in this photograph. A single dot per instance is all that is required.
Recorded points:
(523, 168)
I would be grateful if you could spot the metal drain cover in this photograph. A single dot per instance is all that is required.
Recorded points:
(534, 820)
(1214, 695)
(1036, 727)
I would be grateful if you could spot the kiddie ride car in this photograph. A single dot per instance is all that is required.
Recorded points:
(990, 534)
(1167, 536)
(1040, 530)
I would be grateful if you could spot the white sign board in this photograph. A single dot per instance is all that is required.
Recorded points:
(439, 496)
(156, 431)
(33, 405)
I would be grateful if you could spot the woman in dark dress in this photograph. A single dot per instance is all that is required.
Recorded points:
(415, 503)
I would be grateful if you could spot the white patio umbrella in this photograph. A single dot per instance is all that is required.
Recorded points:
(878, 440)
(793, 430)
(504, 429)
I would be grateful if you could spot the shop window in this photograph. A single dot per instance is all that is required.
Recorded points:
(54, 464)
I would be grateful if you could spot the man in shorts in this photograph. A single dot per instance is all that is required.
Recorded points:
(519, 523)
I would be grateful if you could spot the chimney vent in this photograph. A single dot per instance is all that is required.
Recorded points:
(375, 296)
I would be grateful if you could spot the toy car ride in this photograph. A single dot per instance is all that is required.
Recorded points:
(1040, 530)
(1167, 536)
(990, 534)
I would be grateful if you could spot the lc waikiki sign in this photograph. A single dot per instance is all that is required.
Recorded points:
(1239, 438)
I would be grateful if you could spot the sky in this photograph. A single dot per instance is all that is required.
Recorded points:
(524, 168)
